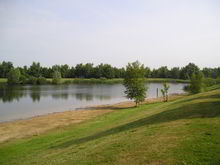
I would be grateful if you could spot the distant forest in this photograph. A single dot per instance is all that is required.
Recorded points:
(105, 71)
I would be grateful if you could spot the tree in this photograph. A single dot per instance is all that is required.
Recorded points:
(147, 73)
(106, 71)
(35, 69)
(175, 73)
(188, 70)
(14, 76)
(196, 83)
(64, 70)
(163, 72)
(134, 82)
(71, 72)
(88, 69)
(154, 73)
(56, 77)
(5, 68)
(164, 92)
(46, 72)
(207, 72)
(80, 71)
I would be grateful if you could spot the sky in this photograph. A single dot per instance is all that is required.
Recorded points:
(155, 32)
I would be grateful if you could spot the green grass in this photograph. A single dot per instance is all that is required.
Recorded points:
(89, 81)
(105, 81)
(114, 81)
(183, 131)
(3, 80)
(167, 80)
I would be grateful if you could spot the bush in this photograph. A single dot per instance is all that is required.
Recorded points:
(56, 77)
(14, 76)
(197, 83)
(32, 80)
(186, 88)
(209, 82)
(164, 92)
(42, 80)
(23, 79)
(67, 82)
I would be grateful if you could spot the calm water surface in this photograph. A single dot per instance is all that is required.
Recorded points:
(20, 102)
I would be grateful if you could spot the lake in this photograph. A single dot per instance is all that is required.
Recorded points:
(19, 102)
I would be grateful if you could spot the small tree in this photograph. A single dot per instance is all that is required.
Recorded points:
(56, 77)
(134, 82)
(196, 83)
(14, 76)
(164, 92)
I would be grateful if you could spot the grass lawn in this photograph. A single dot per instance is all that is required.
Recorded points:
(183, 131)
(3, 80)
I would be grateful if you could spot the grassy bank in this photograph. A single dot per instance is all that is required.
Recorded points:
(166, 80)
(3, 80)
(114, 81)
(103, 80)
(183, 131)
(88, 81)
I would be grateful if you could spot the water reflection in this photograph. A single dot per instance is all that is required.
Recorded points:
(25, 101)
(15, 93)
(9, 94)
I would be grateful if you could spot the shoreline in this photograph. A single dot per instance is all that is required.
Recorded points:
(97, 81)
(36, 125)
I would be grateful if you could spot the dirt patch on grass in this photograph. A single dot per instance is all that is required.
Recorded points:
(37, 125)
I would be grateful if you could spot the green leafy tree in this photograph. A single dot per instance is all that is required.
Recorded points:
(5, 68)
(175, 73)
(188, 70)
(14, 76)
(197, 83)
(80, 71)
(147, 72)
(56, 77)
(134, 82)
(164, 92)
(71, 72)
(64, 70)
(163, 72)
(35, 69)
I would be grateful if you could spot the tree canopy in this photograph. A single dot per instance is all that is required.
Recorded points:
(14, 76)
(134, 82)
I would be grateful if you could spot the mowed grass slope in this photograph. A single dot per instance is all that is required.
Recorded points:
(183, 131)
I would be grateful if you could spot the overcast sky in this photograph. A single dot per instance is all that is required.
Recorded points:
(155, 32)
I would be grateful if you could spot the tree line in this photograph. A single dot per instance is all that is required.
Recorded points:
(103, 71)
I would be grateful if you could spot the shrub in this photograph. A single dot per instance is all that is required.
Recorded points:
(56, 77)
(42, 80)
(197, 83)
(209, 82)
(164, 92)
(14, 76)
(32, 80)
(23, 79)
